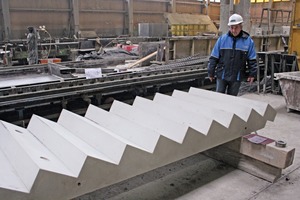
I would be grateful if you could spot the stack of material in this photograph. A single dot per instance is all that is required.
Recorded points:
(76, 155)
(190, 24)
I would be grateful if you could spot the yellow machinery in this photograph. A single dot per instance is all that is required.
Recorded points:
(294, 47)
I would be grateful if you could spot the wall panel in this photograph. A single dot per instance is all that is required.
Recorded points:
(188, 6)
(104, 24)
(106, 17)
(53, 14)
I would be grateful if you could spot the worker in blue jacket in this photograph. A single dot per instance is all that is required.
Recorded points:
(229, 57)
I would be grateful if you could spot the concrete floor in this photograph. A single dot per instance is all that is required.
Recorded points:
(203, 178)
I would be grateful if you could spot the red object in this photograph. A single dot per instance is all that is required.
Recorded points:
(128, 47)
(50, 60)
(265, 142)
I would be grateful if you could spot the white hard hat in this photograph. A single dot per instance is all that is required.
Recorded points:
(235, 19)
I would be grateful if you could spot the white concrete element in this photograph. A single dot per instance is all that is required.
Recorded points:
(76, 155)
(69, 148)
(263, 108)
(27, 155)
(164, 126)
(231, 121)
(9, 179)
(131, 133)
(98, 137)
(179, 115)
(254, 120)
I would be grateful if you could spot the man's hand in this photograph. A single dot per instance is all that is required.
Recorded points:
(250, 79)
(211, 78)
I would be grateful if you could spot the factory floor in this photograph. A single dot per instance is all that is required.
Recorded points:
(219, 181)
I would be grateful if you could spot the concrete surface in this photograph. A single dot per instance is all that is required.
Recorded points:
(77, 154)
(203, 178)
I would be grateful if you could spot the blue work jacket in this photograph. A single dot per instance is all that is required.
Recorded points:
(230, 56)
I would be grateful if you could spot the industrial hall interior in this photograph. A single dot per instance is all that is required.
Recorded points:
(149, 100)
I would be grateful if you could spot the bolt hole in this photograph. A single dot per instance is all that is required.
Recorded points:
(44, 158)
(79, 184)
(19, 131)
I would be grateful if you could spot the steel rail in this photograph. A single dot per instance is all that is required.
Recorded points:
(91, 88)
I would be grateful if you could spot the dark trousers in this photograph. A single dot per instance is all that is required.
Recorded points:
(228, 87)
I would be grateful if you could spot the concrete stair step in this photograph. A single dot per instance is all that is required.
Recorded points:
(77, 155)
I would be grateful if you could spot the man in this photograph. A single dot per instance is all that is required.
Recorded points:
(32, 46)
(229, 57)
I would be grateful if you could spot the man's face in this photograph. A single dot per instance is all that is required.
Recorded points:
(235, 29)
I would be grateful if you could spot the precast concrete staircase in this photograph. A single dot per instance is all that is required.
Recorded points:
(77, 155)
